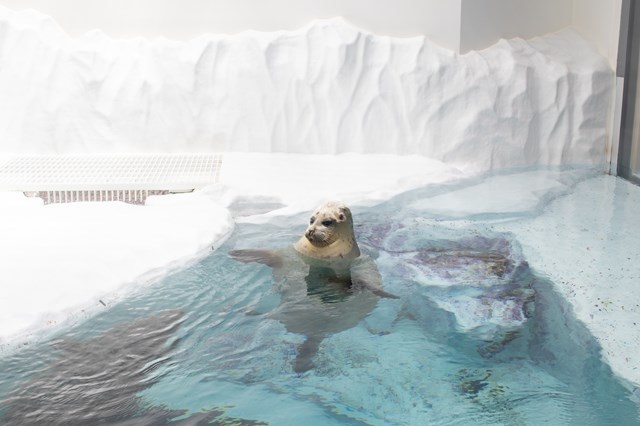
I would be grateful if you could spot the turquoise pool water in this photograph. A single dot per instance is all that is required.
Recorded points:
(477, 337)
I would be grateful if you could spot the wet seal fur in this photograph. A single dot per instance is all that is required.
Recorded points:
(326, 285)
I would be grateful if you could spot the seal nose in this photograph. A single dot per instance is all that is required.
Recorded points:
(310, 233)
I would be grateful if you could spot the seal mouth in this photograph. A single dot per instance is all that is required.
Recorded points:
(318, 240)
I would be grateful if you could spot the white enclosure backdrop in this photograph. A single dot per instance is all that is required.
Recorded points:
(326, 88)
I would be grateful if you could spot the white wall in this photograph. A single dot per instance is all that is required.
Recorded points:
(186, 19)
(483, 22)
(599, 22)
(460, 25)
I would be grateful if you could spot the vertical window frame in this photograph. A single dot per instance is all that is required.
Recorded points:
(627, 67)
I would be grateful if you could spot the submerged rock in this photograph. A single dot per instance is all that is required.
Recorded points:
(483, 280)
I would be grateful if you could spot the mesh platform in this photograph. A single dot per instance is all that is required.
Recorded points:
(128, 178)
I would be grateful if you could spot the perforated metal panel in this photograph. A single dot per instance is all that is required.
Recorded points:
(128, 178)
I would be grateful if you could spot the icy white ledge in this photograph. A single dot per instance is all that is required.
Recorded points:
(324, 89)
(64, 262)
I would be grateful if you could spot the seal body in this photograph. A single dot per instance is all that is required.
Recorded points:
(325, 284)
(315, 300)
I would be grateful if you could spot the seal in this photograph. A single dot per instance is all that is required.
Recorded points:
(326, 284)
(329, 234)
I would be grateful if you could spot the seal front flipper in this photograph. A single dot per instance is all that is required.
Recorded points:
(375, 289)
(365, 275)
(266, 257)
(381, 293)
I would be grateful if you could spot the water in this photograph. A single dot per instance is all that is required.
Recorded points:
(477, 337)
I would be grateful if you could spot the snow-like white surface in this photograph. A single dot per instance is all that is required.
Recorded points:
(324, 89)
(58, 261)
(300, 182)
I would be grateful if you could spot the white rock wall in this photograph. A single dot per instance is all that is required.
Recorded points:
(327, 88)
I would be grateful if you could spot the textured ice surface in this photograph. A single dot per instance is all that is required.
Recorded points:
(326, 88)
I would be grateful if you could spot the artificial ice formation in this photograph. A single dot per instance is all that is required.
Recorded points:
(324, 89)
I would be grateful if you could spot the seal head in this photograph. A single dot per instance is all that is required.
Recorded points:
(329, 234)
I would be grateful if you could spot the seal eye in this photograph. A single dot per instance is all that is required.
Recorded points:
(313, 219)
(327, 222)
